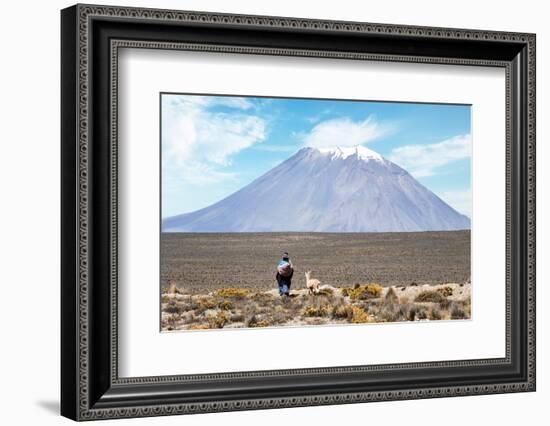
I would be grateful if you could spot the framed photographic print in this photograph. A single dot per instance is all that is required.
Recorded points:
(292, 202)
(263, 212)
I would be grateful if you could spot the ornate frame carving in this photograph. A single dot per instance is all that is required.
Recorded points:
(111, 396)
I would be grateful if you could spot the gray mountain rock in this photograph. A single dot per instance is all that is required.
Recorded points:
(327, 190)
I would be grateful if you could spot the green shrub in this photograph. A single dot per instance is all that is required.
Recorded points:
(359, 316)
(366, 291)
(173, 308)
(233, 292)
(225, 305)
(325, 292)
(317, 311)
(342, 311)
(218, 320)
(204, 304)
(445, 291)
(263, 298)
(254, 321)
(346, 291)
(429, 296)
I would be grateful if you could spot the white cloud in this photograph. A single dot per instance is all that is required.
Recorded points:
(313, 119)
(231, 102)
(184, 101)
(197, 173)
(316, 118)
(345, 132)
(423, 160)
(197, 142)
(461, 201)
(276, 148)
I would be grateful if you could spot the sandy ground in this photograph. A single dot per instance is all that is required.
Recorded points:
(201, 263)
(243, 308)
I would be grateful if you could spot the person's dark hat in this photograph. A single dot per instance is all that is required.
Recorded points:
(285, 255)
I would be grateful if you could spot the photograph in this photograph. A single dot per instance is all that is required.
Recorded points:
(281, 212)
(267, 208)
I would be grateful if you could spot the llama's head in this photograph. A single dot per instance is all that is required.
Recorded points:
(308, 274)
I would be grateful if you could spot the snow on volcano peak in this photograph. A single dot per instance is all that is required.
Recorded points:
(360, 151)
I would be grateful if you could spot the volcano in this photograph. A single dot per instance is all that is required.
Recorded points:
(352, 189)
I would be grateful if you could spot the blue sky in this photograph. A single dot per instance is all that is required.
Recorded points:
(214, 145)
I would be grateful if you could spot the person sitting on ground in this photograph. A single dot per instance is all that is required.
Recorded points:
(285, 271)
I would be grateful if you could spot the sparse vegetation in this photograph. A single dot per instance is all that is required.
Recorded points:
(422, 313)
(173, 308)
(366, 291)
(457, 311)
(254, 321)
(325, 292)
(389, 312)
(237, 318)
(225, 280)
(430, 296)
(317, 311)
(226, 305)
(444, 304)
(435, 314)
(445, 291)
(199, 327)
(342, 312)
(391, 296)
(233, 292)
(345, 291)
(203, 304)
(411, 313)
(218, 320)
(361, 304)
(359, 316)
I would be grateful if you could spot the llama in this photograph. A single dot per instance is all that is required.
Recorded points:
(312, 284)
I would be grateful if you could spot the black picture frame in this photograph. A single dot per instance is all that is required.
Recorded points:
(90, 38)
